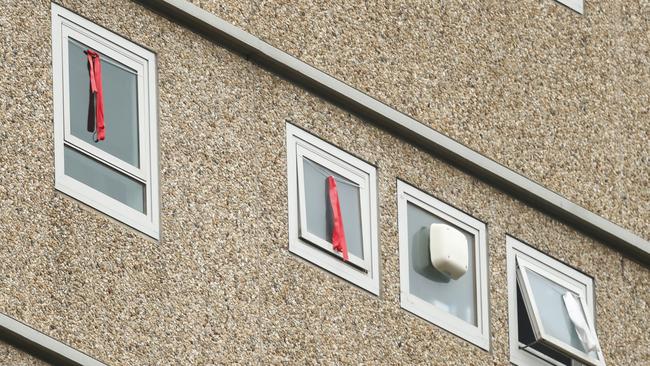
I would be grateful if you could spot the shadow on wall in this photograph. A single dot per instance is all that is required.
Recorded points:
(421, 258)
(29, 348)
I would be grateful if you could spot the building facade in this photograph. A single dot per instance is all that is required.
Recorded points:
(522, 125)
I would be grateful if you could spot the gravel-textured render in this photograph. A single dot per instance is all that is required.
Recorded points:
(559, 97)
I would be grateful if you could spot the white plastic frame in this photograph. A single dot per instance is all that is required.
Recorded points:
(304, 151)
(303, 145)
(577, 5)
(65, 25)
(78, 34)
(478, 334)
(521, 256)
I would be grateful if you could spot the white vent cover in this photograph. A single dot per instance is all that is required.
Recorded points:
(448, 248)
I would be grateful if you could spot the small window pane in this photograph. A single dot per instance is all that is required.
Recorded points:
(527, 336)
(457, 297)
(318, 214)
(552, 311)
(104, 179)
(120, 104)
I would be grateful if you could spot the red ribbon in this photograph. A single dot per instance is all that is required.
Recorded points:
(96, 91)
(338, 234)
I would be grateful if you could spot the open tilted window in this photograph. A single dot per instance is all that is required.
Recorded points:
(551, 311)
(332, 209)
(106, 147)
(443, 265)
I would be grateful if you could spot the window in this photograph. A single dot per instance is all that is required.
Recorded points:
(551, 311)
(576, 5)
(117, 175)
(458, 305)
(311, 163)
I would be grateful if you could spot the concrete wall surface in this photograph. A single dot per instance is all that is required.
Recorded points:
(220, 287)
(12, 356)
(561, 97)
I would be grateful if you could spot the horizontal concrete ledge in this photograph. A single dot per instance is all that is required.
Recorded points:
(41, 345)
(405, 127)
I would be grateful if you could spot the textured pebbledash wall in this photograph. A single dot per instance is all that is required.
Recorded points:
(561, 97)
(12, 356)
(221, 286)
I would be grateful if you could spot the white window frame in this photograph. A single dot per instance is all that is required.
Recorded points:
(65, 25)
(521, 255)
(303, 145)
(305, 151)
(577, 5)
(479, 334)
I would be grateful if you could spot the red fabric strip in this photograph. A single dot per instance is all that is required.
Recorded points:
(95, 69)
(338, 234)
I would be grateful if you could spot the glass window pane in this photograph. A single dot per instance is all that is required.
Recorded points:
(319, 220)
(457, 297)
(120, 104)
(552, 311)
(104, 179)
(527, 336)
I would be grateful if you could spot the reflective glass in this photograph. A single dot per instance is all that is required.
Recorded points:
(104, 179)
(120, 104)
(319, 216)
(527, 336)
(552, 311)
(457, 297)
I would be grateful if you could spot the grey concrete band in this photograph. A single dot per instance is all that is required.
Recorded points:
(403, 126)
(42, 345)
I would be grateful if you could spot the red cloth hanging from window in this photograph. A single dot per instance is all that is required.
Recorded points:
(96, 92)
(338, 234)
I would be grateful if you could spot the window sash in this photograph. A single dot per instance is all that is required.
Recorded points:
(546, 358)
(141, 173)
(304, 152)
(523, 266)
